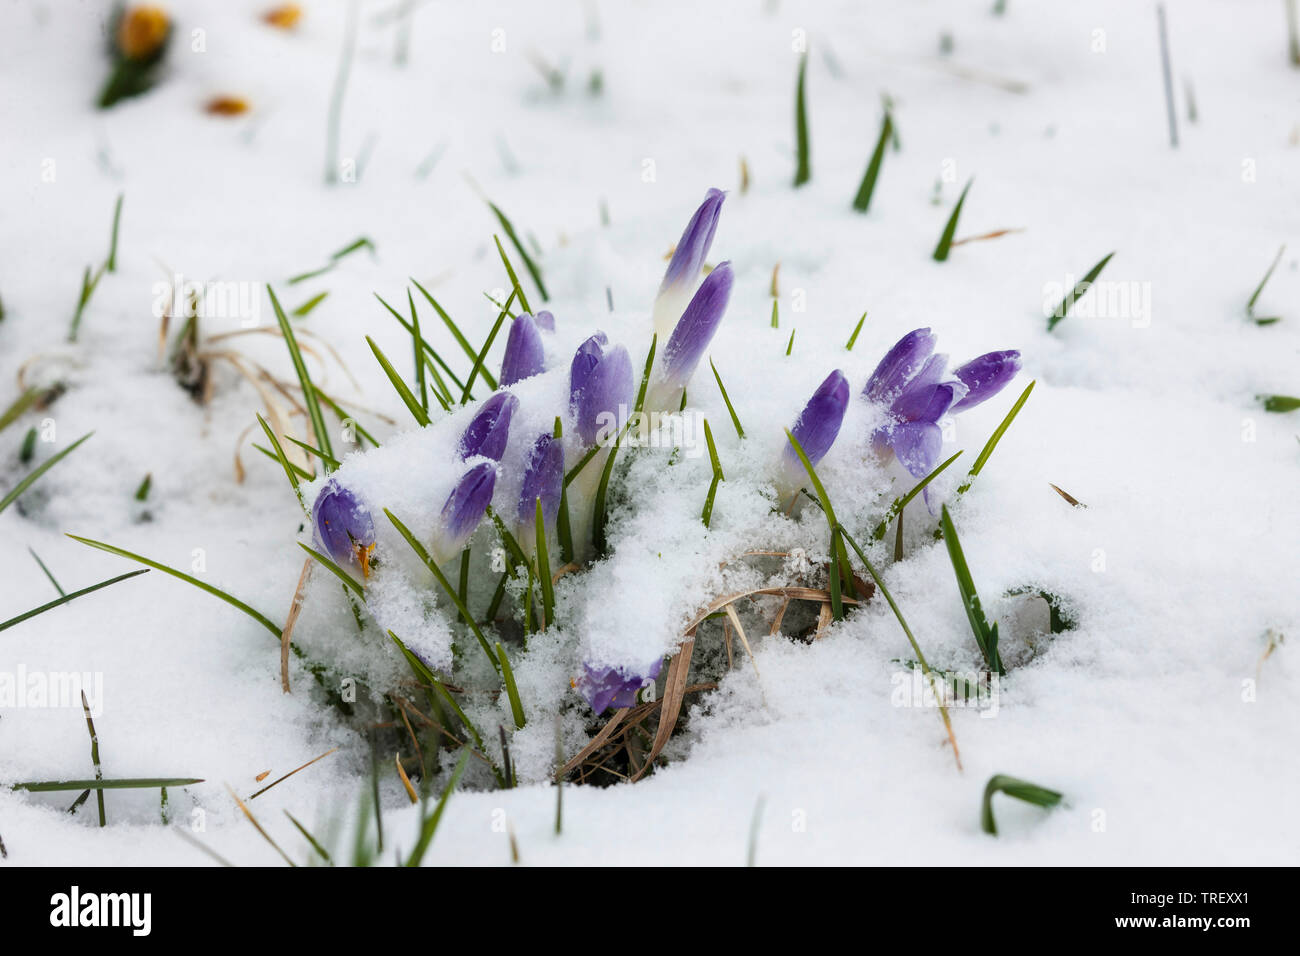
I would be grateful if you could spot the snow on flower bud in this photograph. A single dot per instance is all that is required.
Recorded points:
(683, 274)
(600, 387)
(986, 376)
(524, 354)
(464, 508)
(818, 426)
(605, 687)
(899, 365)
(489, 430)
(344, 528)
(544, 479)
(691, 338)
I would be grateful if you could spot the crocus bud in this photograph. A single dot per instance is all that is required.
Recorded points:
(690, 339)
(524, 354)
(683, 274)
(344, 528)
(489, 430)
(600, 387)
(464, 508)
(545, 321)
(986, 376)
(544, 479)
(817, 427)
(605, 687)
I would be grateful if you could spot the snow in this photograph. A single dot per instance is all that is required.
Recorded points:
(1155, 716)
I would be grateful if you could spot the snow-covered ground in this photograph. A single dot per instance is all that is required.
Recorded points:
(1172, 741)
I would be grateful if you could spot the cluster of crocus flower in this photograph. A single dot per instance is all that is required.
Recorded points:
(910, 388)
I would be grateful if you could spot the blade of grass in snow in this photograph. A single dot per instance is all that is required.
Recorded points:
(65, 598)
(429, 826)
(111, 263)
(417, 345)
(529, 264)
(1013, 787)
(1250, 306)
(344, 416)
(986, 635)
(88, 285)
(900, 503)
(142, 492)
(1280, 403)
(950, 230)
(518, 290)
(20, 405)
(544, 568)
(427, 560)
(803, 172)
(996, 437)
(403, 391)
(456, 334)
(315, 844)
(776, 314)
(487, 345)
(911, 639)
(1078, 292)
(330, 463)
(302, 473)
(841, 575)
(563, 529)
(124, 783)
(602, 491)
(348, 580)
(707, 514)
(789, 348)
(512, 690)
(735, 420)
(291, 470)
(857, 329)
(304, 379)
(28, 448)
(94, 757)
(862, 201)
(38, 560)
(305, 309)
(429, 351)
(35, 474)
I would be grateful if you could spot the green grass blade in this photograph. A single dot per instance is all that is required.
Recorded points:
(305, 309)
(142, 492)
(1250, 306)
(429, 826)
(304, 379)
(707, 514)
(35, 474)
(789, 347)
(234, 602)
(1279, 403)
(429, 351)
(344, 416)
(481, 357)
(330, 463)
(315, 844)
(1080, 290)
(529, 264)
(124, 783)
(544, 569)
(47, 571)
(512, 690)
(291, 471)
(996, 437)
(65, 598)
(417, 346)
(803, 172)
(518, 290)
(900, 503)
(403, 391)
(986, 635)
(348, 580)
(456, 334)
(854, 337)
(20, 405)
(735, 419)
(1013, 787)
(862, 200)
(950, 230)
(302, 473)
(563, 530)
(111, 263)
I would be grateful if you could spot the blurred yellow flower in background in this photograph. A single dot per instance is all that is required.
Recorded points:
(142, 31)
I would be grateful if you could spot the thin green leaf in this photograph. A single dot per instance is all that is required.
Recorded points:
(124, 783)
(48, 573)
(305, 309)
(862, 200)
(1280, 403)
(111, 263)
(304, 378)
(986, 635)
(481, 357)
(900, 503)
(35, 474)
(735, 420)
(429, 826)
(512, 690)
(348, 580)
(857, 329)
(291, 471)
(403, 391)
(529, 264)
(456, 334)
(707, 514)
(950, 230)
(514, 279)
(1078, 292)
(330, 463)
(1013, 787)
(803, 172)
(544, 568)
(65, 598)
(996, 437)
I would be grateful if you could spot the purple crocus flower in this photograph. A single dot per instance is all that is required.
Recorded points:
(544, 479)
(545, 321)
(692, 335)
(818, 426)
(524, 354)
(465, 507)
(683, 274)
(344, 527)
(606, 687)
(489, 430)
(909, 385)
(600, 387)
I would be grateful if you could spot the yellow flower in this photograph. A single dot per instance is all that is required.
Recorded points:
(226, 106)
(142, 31)
(285, 16)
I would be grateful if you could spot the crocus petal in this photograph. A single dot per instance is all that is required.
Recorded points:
(691, 338)
(489, 430)
(818, 424)
(928, 403)
(524, 354)
(585, 359)
(544, 479)
(692, 249)
(917, 446)
(606, 687)
(986, 376)
(545, 321)
(900, 364)
(606, 398)
(465, 507)
(343, 525)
